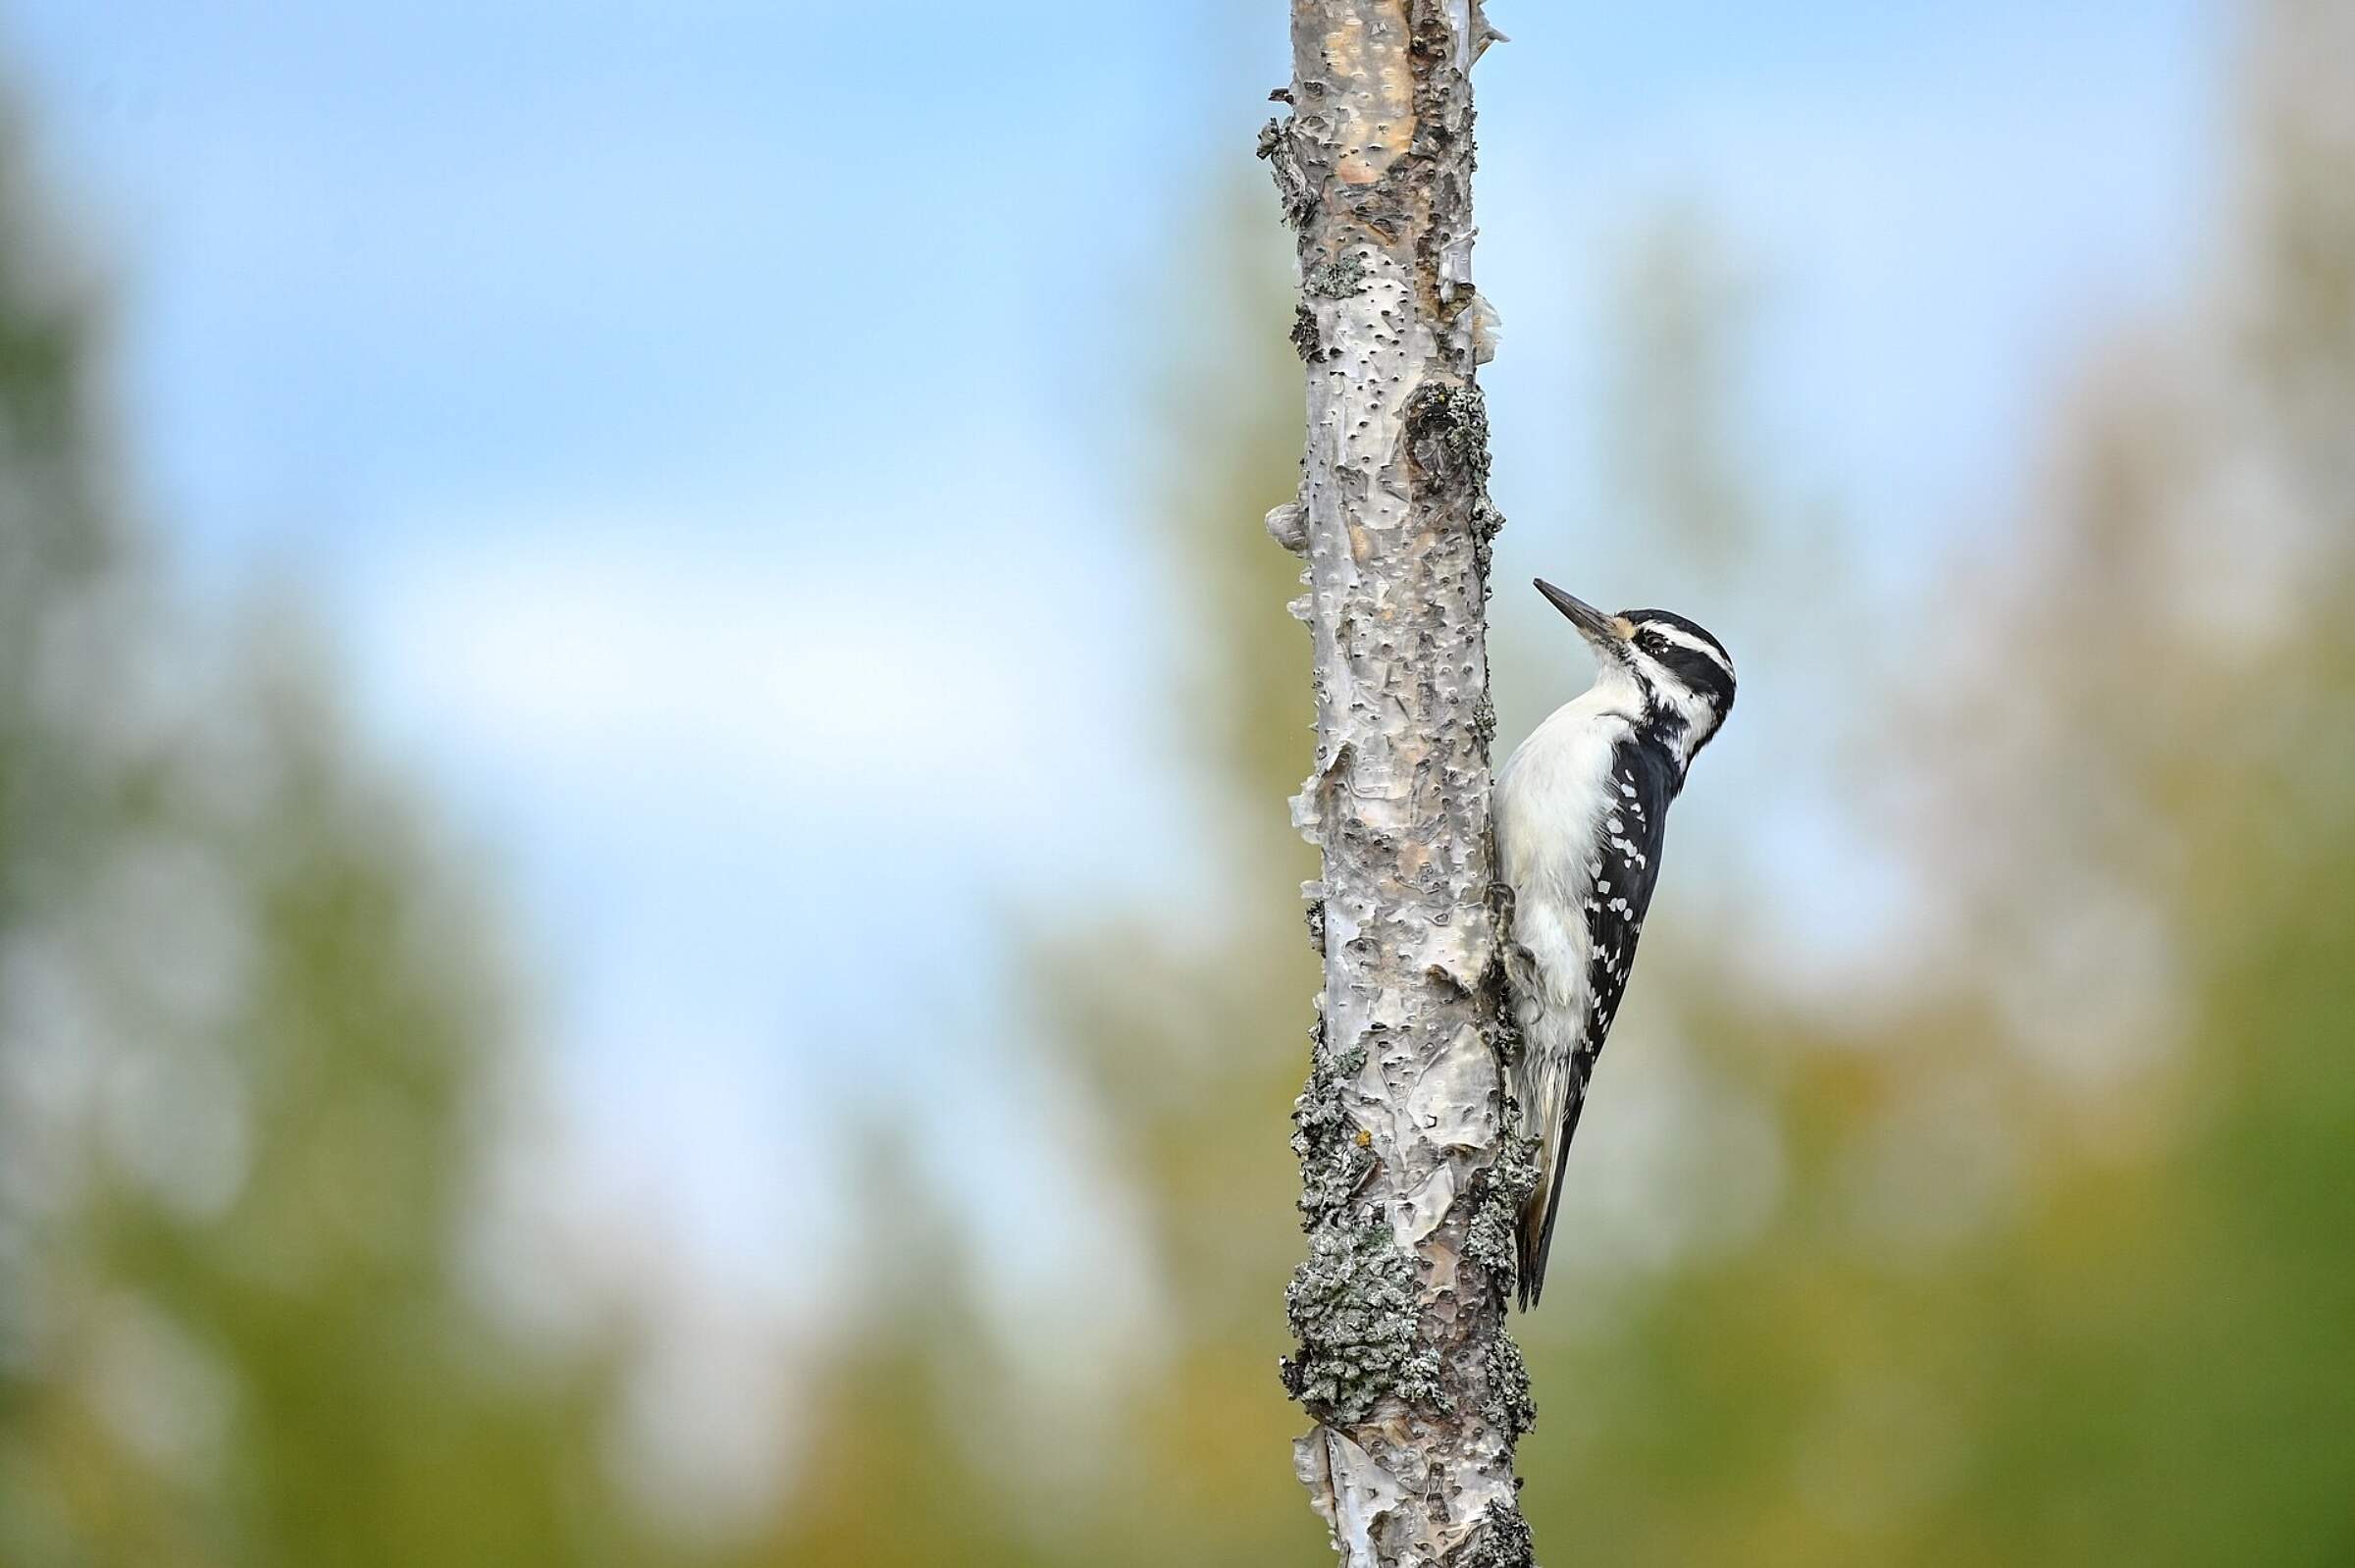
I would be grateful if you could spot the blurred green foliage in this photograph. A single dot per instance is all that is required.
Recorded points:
(246, 1038)
(2026, 1242)
(2029, 1244)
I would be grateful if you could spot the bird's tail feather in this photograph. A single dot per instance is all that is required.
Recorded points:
(1545, 1204)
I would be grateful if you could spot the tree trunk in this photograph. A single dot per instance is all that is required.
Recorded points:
(1411, 1182)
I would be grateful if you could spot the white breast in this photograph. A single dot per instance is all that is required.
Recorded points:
(1551, 798)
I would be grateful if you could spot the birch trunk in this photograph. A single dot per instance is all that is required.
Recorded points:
(1410, 1181)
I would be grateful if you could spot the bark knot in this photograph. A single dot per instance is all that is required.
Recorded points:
(1448, 433)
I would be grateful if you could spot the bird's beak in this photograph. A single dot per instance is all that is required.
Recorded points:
(1608, 633)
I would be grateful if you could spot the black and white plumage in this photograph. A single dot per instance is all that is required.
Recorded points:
(1581, 812)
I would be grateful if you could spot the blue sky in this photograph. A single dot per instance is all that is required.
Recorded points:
(614, 377)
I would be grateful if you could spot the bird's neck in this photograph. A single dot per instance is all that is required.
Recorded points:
(1664, 734)
(1669, 728)
(1662, 728)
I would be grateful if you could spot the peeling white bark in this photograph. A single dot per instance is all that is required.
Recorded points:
(1410, 1181)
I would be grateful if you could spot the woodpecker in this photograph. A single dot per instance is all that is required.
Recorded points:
(1581, 810)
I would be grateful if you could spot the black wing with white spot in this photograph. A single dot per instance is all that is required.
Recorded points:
(1643, 783)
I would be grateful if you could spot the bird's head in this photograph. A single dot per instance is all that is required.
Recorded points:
(1684, 676)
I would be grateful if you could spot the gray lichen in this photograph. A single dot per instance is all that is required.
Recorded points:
(1335, 279)
(1504, 1039)
(1333, 1152)
(1501, 1192)
(1487, 523)
(1292, 185)
(1483, 721)
(1502, 1020)
(1507, 1403)
(1353, 1306)
(1304, 334)
(1502, 1540)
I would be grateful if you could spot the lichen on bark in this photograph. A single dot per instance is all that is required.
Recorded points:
(1333, 1152)
(1509, 1402)
(1337, 278)
(1503, 1541)
(1401, 1129)
(1500, 1190)
(1354, 1307)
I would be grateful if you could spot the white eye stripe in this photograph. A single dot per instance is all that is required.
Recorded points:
(1683, 638)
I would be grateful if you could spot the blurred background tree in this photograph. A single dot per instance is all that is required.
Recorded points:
(1183, 1046)
(2018, 1238)
(249, 1041)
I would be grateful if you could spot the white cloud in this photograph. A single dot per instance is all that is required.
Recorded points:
(758, 807)
(857, 684)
